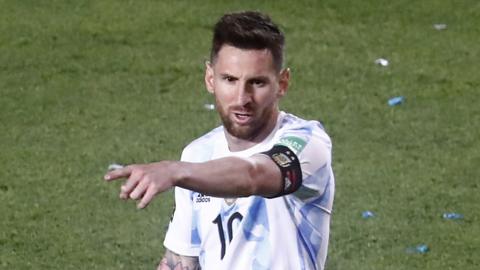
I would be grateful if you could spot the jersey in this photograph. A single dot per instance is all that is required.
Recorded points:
(287, 232)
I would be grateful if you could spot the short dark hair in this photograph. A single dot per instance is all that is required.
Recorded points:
(248, 30)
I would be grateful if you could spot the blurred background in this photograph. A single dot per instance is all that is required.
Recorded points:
(84, 84)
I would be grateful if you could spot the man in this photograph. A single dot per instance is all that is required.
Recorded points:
(256, 192)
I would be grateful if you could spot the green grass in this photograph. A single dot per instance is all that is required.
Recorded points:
(87, 83)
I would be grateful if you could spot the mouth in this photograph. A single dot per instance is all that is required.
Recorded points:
(242, 118)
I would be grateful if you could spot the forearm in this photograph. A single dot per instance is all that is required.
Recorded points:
(231, 177)
(226, 177)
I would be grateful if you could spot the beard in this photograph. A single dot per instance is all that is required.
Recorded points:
(260, 121)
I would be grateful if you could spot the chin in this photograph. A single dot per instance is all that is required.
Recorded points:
(243, 132)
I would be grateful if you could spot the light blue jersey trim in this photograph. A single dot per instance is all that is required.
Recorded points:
(203, 148)
(195, 235)
(313, 214)
(321, 177)
(257, 220)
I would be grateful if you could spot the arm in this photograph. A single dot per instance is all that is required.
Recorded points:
(173, 261)
(225, 177)
(232, 177)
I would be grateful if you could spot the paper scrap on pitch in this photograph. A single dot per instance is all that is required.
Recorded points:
(114, 166)
(440, 26)
(382, 62)
(209, 107)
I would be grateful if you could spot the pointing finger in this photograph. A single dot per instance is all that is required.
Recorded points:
(118, 173)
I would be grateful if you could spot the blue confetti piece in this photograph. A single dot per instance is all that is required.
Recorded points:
(420, 249)
(452, 215)
(396, 101)
(367, 214)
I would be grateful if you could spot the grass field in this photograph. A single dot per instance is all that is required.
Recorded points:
(87, 83)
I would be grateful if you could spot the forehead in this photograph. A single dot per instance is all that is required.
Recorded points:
(233, 59)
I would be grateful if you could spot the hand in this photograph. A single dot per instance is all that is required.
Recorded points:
(144, 181)
(178, 262)
(164, 266)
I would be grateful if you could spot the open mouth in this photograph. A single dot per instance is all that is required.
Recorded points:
(242, 118)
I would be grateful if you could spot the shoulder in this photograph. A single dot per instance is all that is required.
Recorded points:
(201, 148)
(293, 129)
(313, 148)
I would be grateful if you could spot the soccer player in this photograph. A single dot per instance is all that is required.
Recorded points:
(256, 192)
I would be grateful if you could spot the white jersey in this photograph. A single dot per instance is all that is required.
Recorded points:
(287, 232)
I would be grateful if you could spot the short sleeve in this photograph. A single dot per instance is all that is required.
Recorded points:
(312, 147)
(180, 237)
(182, 234)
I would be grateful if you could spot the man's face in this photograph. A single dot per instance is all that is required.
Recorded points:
(247, 88)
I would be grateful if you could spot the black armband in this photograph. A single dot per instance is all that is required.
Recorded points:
(289, 166)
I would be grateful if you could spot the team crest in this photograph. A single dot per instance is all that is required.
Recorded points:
(230, 201)
(282, 159)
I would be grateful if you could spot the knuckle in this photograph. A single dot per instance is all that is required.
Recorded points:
(147, 179)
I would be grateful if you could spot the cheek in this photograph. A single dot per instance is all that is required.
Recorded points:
(222, 97)
(224, 93)
(223, 101)
(266, 98)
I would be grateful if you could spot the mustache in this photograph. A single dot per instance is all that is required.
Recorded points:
(242, 108)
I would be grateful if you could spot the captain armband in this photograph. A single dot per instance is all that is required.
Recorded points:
(289, 166)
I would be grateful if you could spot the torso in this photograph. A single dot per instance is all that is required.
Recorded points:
(263, 233)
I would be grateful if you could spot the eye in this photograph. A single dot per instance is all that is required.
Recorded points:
(258, 83)
(229, 78)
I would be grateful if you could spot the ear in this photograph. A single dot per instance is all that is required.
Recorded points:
(209, 77)
(284, 81)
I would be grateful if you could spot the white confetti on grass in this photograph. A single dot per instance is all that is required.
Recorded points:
(440, 26)
(114, 166)
(382, 62)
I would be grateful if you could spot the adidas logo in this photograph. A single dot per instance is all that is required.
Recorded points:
(202, 198)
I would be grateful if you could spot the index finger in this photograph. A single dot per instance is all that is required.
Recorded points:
(118, 173)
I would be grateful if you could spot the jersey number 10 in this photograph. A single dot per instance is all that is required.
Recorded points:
(221, 233)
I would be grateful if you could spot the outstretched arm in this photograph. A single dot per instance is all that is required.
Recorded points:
(225, 177)
(173, 261)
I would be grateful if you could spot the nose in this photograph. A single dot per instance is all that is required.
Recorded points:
(244, 94)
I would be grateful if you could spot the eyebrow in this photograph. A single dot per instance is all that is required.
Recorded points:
(223, 75)
(260, 77)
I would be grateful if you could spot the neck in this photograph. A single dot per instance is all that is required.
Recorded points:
(236, 144)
